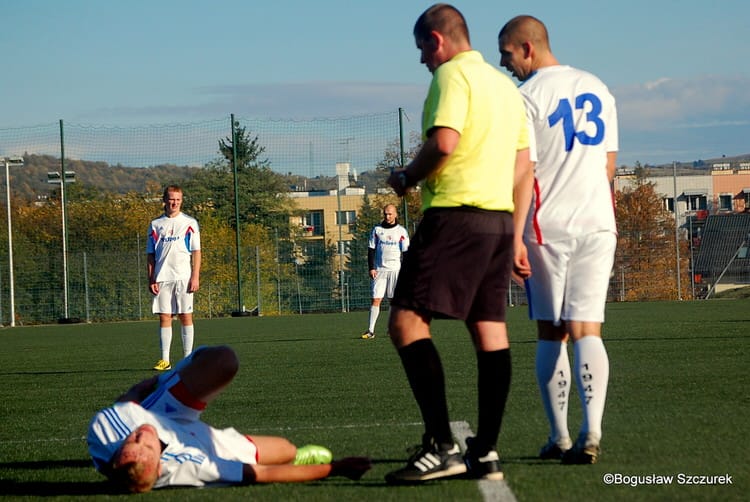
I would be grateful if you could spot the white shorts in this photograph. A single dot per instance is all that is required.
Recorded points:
(173, 298)
(569, 279)
(384, 283)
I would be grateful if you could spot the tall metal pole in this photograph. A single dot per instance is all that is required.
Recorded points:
(240, 306)
(676, 230)
(10, 247)
(405, 209)
(64, 223)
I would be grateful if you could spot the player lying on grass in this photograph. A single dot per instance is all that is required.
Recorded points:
(152, 437)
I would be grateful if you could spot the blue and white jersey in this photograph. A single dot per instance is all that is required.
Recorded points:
(573, 121)
(172, 241)
(388, 244)
(195, 454)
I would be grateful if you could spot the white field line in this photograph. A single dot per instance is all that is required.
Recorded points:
(492, 491)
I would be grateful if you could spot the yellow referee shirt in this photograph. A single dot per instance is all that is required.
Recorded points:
(487, 110)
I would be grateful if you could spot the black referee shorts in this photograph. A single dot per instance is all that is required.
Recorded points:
(458, 265)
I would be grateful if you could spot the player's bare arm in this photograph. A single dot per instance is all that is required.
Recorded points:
(431, 157)
(523, 185)
(139, 391)
(194, 283)
(150, 267)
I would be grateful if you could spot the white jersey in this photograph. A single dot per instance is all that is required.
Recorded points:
(573, 122)
(388, 244)
(172, 241)
(195, 453)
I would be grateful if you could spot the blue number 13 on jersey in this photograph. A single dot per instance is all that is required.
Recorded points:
(564, 112)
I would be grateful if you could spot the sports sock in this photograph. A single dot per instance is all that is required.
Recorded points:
(424, 371)
(592, 377)
(188, 333)
(165, 342)
(493, 383)
(553, 377)
(374, 313)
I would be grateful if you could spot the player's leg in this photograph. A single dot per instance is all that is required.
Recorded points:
(554, 380)
(486, 324)
(378, 290)
(591, 270)
(546, 292)
(187, 332)
(185, 308)
(279, 450)
(209, 371)
(163, 306)
(274, 449)
(493, 384)
(165, 335)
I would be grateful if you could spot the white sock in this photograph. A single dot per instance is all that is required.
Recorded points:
(165, 342)
(553, 377)
(592, 377)
(188, 333)
(374, 313)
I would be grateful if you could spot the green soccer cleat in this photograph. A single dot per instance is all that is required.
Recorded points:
(312, 454)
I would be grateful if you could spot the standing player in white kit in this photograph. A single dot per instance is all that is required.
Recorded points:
(571, 233)
(388, 240)
(173, 249)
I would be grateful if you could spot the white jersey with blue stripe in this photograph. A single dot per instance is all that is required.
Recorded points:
(195, 454)
(172, 241)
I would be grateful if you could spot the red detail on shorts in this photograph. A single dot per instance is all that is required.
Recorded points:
(184, 396)
(537, 203)
(256, 447)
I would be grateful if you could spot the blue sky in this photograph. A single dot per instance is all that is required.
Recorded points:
(678, 69)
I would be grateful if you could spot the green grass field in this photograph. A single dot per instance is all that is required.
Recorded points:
(677, 403)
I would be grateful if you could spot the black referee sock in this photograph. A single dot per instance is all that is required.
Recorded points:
(424, 371)
(493, 384)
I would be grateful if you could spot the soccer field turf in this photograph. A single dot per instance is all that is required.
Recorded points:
(676, 406)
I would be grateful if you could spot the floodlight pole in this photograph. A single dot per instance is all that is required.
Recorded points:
(16, 161)
(240, 312)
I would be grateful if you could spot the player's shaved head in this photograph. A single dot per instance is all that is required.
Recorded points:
(444, 19)
(525, 28)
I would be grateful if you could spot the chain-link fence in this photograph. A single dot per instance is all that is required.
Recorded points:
(89, 263)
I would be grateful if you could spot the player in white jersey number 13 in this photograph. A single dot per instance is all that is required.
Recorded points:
(570, 233)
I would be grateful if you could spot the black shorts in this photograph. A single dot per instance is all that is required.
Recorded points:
(458, 265)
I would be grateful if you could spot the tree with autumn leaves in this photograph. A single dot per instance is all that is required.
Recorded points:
(645, 265)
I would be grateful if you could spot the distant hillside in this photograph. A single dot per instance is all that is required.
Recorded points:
(700, 166)
(30, 181)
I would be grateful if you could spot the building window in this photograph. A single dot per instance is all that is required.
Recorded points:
(346, 217)
(313, 221)
(669, 204)
(725, 202)
(696, 202)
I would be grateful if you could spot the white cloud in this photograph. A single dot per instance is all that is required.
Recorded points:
(705, 101)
